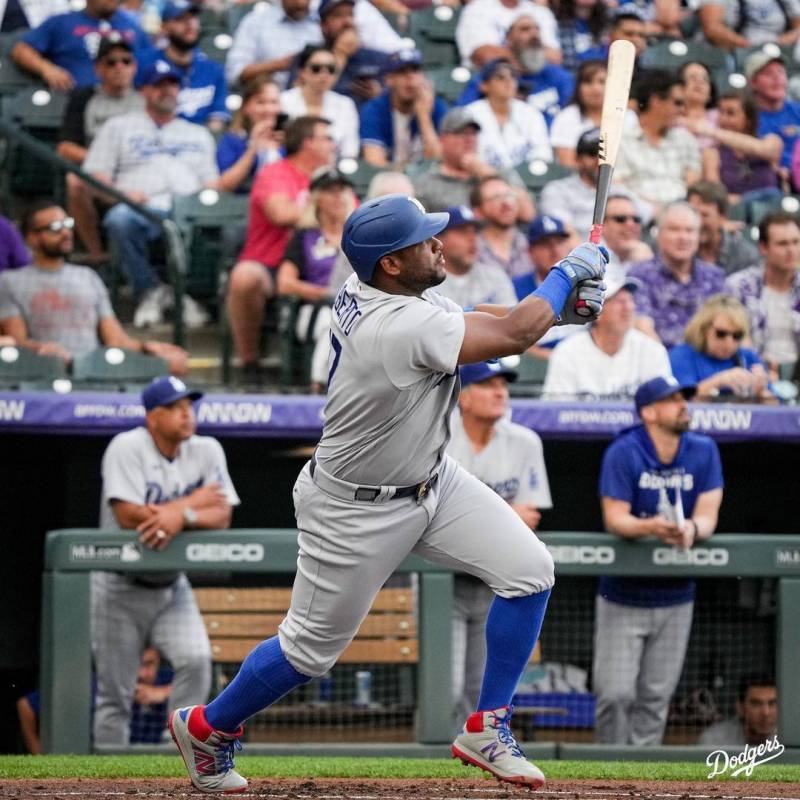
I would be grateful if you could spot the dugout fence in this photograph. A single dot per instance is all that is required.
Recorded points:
(394, 687)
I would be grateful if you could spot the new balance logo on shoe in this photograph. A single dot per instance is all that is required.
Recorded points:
(491, 749)
(204, 763)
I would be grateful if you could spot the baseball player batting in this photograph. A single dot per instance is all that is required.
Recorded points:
(380, 486)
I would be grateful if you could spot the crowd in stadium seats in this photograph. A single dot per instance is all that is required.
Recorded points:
(491, 108)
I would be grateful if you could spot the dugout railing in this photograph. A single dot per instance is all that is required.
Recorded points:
(70, 556)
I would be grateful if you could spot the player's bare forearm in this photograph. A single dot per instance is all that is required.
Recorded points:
(494, 335)
(706, 513)
(618, 520)
(214, 518)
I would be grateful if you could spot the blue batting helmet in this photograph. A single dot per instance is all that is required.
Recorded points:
(386, 224)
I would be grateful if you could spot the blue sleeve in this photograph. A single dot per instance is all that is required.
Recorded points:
(218, 108)
(750, 357)
(229, 150)
(683, 363)
(711, 477)
(617, 473)
(41, 38)
(440, 108)
(470, 94)
(35, 700)
(524, 285)
(142, 46)
(566, 88)
(373, 126)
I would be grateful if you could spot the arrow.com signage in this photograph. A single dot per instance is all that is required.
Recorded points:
(226, 552)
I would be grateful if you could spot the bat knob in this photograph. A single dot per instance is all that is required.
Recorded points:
(582, 309)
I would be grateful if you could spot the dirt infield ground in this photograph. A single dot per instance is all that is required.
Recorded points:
(421, 789)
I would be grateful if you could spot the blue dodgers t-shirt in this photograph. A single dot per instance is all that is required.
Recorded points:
(692, 366)
(71, 41)
(203, 87)
(786, 123)
(631, 471)
(377, 125)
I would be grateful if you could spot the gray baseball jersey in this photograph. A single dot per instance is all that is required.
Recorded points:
(391, 386)
(512, 464)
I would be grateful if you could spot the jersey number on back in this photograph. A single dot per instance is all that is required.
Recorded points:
(336, 345)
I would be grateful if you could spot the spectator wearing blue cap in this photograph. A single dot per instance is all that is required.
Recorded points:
(470, 283)
(657, 480)
(161, 480)
(512, 131)
(400, 127)
(88, 108)
(62, 50)
(203, 88)
(268, 39)
(609, 359)
(509, 459)
(548, 243)
(151, 156)
(482, 27)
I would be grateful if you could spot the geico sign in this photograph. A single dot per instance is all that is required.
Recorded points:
(225, 552)
(698, 557)
(582, 554)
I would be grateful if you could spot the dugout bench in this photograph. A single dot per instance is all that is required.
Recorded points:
(70, 555)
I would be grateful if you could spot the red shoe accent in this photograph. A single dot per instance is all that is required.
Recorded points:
(475, 722)
(198, 724)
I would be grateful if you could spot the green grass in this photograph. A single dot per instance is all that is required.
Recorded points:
(301, 767)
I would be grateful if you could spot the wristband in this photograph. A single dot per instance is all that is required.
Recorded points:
(695, 529)
(555, 288)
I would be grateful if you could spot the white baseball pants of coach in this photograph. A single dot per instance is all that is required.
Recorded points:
(349, 548)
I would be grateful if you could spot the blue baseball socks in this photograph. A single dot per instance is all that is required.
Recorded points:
(265, 676)
(512, 629)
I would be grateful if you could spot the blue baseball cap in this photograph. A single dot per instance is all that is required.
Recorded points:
(326, 6)
(159, 71)
(490, 67)
(482, 371)
(461, 216)
(166, 391)
(544, 226)
(177, 8)
(407, 57)
(659, 389)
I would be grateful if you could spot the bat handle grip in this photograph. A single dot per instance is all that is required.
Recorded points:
(597, 233)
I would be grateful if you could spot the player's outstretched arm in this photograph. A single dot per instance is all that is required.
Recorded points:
(494, 335)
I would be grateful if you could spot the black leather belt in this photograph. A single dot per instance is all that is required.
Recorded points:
(369, 493)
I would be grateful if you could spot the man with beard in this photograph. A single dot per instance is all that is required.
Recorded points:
(151, 156)
(546, 87)
(60, 309)
(203, 89)
(61, 51)
(656, 480)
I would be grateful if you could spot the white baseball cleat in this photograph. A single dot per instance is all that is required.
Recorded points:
(207, 753)
(486, 742)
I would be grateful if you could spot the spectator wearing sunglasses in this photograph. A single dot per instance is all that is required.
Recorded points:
(203, 89)
(56, 308)
(676, 282)
(713, 357)
(314, 96)
(87, 110)
(622, 234)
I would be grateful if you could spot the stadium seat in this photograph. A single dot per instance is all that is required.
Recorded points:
(213, 21)
(113, 367)
(435, 23)
(537, 174)
(531, 372)
(360, 173)
(216, 45)
(238, 11)
(12, 78)
(758, 209)
(674, 54)
(211, 224)
(449, 82)
(18, 366)
(295, 354)
(438, 54)
(39, 112)
(741, 55)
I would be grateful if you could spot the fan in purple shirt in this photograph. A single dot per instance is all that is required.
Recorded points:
(13, 252)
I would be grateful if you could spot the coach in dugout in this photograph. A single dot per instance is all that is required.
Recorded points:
(161, 480)
(657, 480)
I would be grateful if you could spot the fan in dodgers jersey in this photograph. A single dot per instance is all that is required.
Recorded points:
(380, 486)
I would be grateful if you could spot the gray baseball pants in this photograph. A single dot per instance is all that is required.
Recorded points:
(638, 658)
(126, 618)
(471, 601)
(349, 548)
